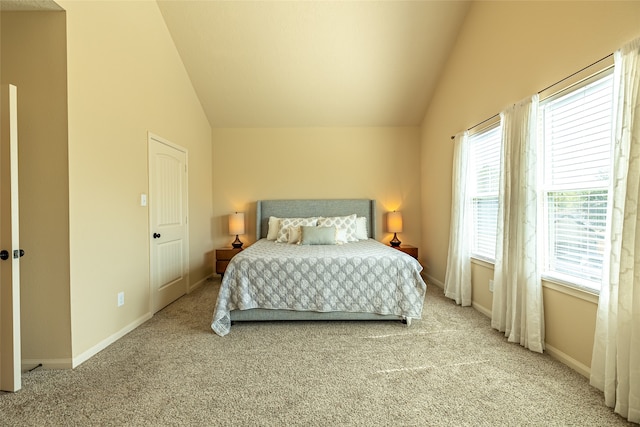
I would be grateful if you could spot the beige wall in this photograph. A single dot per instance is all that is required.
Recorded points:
(125, 79)
(278, 163)
(33, 58)
(506, 52)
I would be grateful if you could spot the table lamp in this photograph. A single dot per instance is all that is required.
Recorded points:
(236, 226)
(394, 225)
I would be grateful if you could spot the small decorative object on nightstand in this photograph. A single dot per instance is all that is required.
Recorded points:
(223, 256)
(408, 249)
(236, 226)
(394, 225)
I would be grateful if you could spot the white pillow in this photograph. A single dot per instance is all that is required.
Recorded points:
(361, 228)
(287, 223)
(341, 236)
(274, 226)
(345, 222)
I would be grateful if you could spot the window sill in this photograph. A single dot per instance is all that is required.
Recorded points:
(551, 283)
(570, 289)
(483, 262)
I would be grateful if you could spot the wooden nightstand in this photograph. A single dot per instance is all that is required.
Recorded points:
(223, 256)
(408, 249)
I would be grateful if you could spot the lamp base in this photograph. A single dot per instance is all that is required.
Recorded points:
(395, 242)
(237, 243)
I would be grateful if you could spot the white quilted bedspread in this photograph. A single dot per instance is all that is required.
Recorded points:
(365, 276)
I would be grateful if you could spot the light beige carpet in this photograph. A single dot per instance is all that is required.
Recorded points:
(448, 369)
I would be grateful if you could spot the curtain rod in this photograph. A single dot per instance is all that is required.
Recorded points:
(548, 87)
(478, 124)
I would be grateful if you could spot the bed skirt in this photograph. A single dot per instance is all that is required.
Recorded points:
(261, 314)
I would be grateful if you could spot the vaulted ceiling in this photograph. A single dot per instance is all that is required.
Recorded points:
(309, 63)
(314, 63)
(28, 5)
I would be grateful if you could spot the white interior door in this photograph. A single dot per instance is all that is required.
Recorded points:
(10, 252)
(168, 217)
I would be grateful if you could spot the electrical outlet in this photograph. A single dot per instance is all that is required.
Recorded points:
(120, 299)
(491, 285)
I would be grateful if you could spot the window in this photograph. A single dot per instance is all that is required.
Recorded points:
(484, 180)
(576, 132)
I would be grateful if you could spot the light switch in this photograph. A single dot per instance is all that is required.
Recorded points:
(143, 200)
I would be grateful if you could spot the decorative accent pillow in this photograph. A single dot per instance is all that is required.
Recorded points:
(361, 228)
(341, 236)
(286, 223)
(317, 235)
(274, 226)
(346, 222)
(294, 235)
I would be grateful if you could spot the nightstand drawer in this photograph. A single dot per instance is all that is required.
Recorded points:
(408, 249)
(223, 256)
(221, 266)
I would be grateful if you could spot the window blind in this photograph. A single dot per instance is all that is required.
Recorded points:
(484, 180)
(576, 127)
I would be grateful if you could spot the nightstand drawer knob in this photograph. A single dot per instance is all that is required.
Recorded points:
(156, 235)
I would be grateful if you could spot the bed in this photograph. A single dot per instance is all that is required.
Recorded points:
(361, 279)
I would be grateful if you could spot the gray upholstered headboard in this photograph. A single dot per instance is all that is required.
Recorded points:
(307, 208)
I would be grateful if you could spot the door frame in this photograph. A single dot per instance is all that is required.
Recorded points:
(155, 139)
(10, 331)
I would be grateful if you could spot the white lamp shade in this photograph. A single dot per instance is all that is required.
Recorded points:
(394, 222)
(236, 223)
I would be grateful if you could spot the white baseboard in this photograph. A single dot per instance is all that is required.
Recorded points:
(28, 364)
(199, 283)
(568, 360)
(551, 350)
(77, 361)
(435, 281)
(481, 309)
(439, 284)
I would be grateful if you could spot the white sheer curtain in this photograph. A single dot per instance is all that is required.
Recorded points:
(457, 281)
(517, 296)
(615, 366)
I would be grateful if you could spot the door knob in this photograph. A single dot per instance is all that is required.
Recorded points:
(4, 255)
(156, 235)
